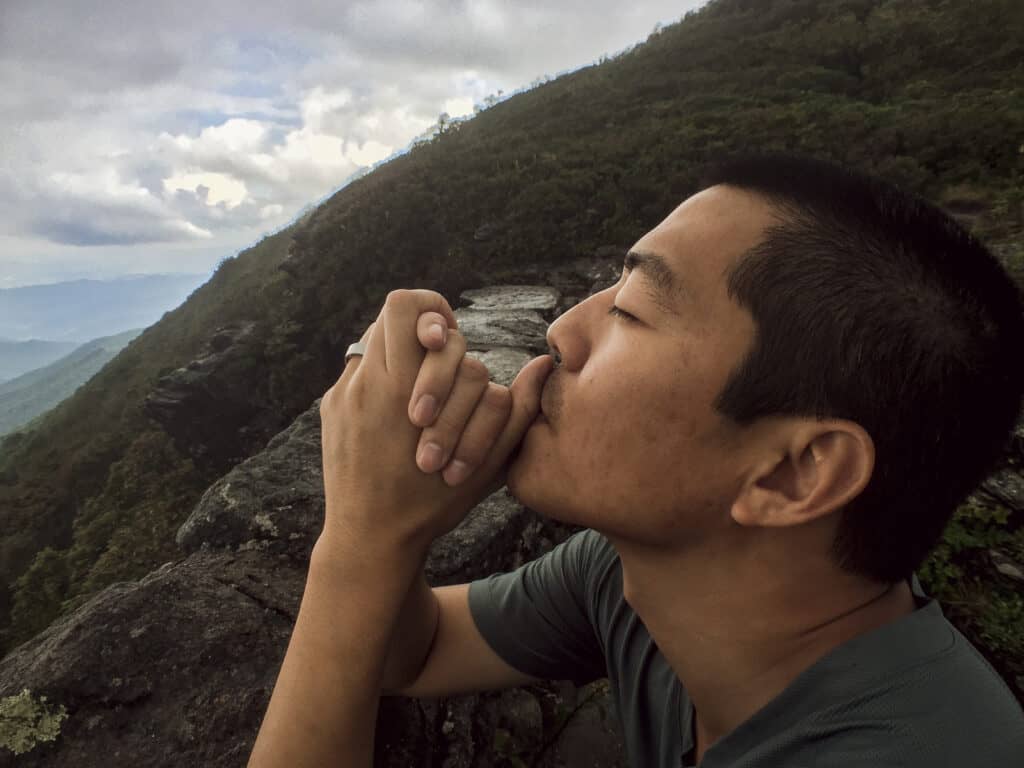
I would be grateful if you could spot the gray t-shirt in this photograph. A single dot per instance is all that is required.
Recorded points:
(911, 693)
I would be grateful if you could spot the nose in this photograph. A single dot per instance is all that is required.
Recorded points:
(569, 336)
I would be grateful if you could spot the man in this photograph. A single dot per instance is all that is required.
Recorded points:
(764, 426)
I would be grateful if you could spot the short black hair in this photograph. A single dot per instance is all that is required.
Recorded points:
(871, 304)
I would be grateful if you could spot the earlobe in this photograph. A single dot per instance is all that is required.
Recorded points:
(824, 467)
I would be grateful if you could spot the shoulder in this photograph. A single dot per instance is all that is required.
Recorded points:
(912, 693)
(587, 553)
(969, 704)
(597, 550)
(597, 562)
(950, 708)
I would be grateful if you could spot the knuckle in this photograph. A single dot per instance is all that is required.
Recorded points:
(396, 296)
(497, 397)
(429, 295)
(356, 392)
(472, 454)
(445, 429)
(431, 298)
(473, 448)
(456, 341)
(445, 304)
(473, 370)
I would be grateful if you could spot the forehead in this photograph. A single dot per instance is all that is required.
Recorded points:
(704, 235)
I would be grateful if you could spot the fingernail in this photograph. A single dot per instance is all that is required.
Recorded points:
(437, 332)
(457, 472)
(431, 457)
(424, 412)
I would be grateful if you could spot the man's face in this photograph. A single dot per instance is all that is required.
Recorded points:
(631, 444)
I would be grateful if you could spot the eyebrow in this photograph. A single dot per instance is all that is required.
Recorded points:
(663, 287)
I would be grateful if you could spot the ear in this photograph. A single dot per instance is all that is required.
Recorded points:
(819, 468)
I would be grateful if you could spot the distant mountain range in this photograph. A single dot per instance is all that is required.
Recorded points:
(18, 357)
(25, 397)
(81, 310)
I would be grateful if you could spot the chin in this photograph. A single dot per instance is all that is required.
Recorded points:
(534, 476)
(516, 479)
(528, 487)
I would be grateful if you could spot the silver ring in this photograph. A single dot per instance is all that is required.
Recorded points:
(357, 349)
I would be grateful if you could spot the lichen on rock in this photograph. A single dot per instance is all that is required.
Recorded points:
(26, 721)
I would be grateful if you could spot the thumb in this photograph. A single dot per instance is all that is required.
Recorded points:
(526, 391)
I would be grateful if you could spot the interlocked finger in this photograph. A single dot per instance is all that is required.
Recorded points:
(438, 441)
(480, 434)
(435, 380)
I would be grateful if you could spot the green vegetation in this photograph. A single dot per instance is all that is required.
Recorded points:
(985, 606)
(35, 392)
(24, 722)
(926, 93)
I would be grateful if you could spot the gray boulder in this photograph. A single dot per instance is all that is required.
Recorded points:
(485, 328)
(273, 501)
(503, 362)
(505, 297)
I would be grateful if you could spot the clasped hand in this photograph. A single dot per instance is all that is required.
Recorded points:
(412, 405)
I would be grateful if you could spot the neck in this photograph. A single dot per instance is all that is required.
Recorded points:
(737, 631)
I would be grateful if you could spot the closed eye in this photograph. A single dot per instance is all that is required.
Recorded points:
(613, 310)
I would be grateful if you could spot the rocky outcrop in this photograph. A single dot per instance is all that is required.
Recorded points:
(170, 670)
(273, 501)
(177, 669)
(216, 408)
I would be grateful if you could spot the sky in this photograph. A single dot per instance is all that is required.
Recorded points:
(152, 137)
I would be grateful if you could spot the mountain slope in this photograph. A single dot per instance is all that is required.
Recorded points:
(25, 397)
(18, 357)
(94, 493)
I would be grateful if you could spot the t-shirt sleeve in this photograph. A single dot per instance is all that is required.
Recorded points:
(538, 617)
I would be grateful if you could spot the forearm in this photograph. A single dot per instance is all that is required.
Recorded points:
(412, 636)
(323, 710)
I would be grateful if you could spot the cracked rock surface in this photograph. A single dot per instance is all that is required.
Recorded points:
(174, 669)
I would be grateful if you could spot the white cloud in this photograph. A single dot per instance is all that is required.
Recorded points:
(318, 103)
(195, 123)
(367, 153)
(459, 107)
(211, 188)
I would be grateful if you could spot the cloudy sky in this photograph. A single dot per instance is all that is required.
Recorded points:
(142, 137)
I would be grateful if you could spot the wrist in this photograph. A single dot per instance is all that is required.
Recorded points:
(345, 555)
(355, 528)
